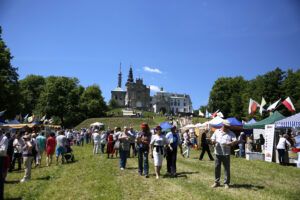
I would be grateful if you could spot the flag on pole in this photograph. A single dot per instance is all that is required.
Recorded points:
(288, 103)
(273, 106)
(2, 113)
(263, 103)
(201, 113)
(207, 114)
(25, 118)
(43, 118)
(215, 114)
(252, 106)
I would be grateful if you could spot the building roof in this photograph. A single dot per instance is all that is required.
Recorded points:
(118, 89)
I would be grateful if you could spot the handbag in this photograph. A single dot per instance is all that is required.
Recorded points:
(117, 145)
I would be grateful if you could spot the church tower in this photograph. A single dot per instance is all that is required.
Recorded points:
(120, 77)
(130, 76)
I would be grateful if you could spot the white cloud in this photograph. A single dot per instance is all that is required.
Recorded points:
(148, 69)
(154, 88)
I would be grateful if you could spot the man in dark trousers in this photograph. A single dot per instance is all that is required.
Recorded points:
(174, 141)
(205, 147)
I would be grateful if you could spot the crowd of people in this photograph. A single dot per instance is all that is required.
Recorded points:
(29, 148)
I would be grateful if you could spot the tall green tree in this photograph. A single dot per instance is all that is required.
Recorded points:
(113, 103)
(60, 98)
(9, 86)
(31, 88)
(92, 103)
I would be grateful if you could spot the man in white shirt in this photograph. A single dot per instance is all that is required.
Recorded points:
(3, 151)
(223, 139)
(96, 138)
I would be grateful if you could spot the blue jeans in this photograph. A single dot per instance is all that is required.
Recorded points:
(102, 147)
(143, 158)
(123, 158)
(242, 150)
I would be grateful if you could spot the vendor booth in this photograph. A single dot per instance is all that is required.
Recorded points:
(265, 136)
(291, 123)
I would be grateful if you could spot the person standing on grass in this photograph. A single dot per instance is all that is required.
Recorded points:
(50, 145)
(116, 136)
(132, 143)
(110, 145)
(103, 141)
(142, 140)
(96, 138)
(27, 158)
(242, 142)
(205, 146)
(124, 139)
(3, 151)
(10, 147)
(281, 148)
(174, 141)
(157, 147)
(223, 139)
(187, 143)
(41, 144)
(60, 149)
(18, 150)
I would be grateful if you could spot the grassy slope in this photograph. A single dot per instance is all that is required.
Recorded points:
(136, 122)
(96, 177)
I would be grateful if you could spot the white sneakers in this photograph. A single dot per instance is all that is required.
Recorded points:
(24, 180)
(122, 168)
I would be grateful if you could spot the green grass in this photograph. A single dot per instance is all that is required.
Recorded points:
(96, 177)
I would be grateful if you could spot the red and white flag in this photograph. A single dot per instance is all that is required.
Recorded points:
(252, 106)
(288, 103)
(215, 114)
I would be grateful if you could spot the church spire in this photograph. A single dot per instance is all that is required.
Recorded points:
(130, 75)
(120, 77)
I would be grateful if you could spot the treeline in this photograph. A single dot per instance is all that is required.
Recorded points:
(60, 98)
(232, 95)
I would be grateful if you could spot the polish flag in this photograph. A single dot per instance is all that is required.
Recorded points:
(288, 103)
(252, 106)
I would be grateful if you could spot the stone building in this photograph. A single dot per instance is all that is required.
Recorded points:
(171, 103)
(136, 96)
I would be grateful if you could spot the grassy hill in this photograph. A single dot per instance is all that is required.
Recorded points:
(96, 177)
(120, 121)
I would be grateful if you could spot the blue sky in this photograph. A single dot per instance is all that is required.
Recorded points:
(189, 43)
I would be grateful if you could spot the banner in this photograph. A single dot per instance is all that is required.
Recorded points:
(257, 132)
(269, 141)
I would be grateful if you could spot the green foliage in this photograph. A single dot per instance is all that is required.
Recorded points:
(9, 86)
(113, 104)
(231, 95)
(31, 88)
(92, 103)
(60, 98)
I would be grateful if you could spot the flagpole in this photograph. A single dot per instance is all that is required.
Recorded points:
(277, 106)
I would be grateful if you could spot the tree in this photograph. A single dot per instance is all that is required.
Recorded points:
(9, 86)
(113, 104)
(92, 103)
(31, 88)
(60, 98)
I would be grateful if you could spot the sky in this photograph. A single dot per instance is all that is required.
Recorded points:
(182, 46)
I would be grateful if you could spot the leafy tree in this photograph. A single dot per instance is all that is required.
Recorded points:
(92, 103)
(60, 98)
(9, 86)
(31, 88)
(113, 104)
